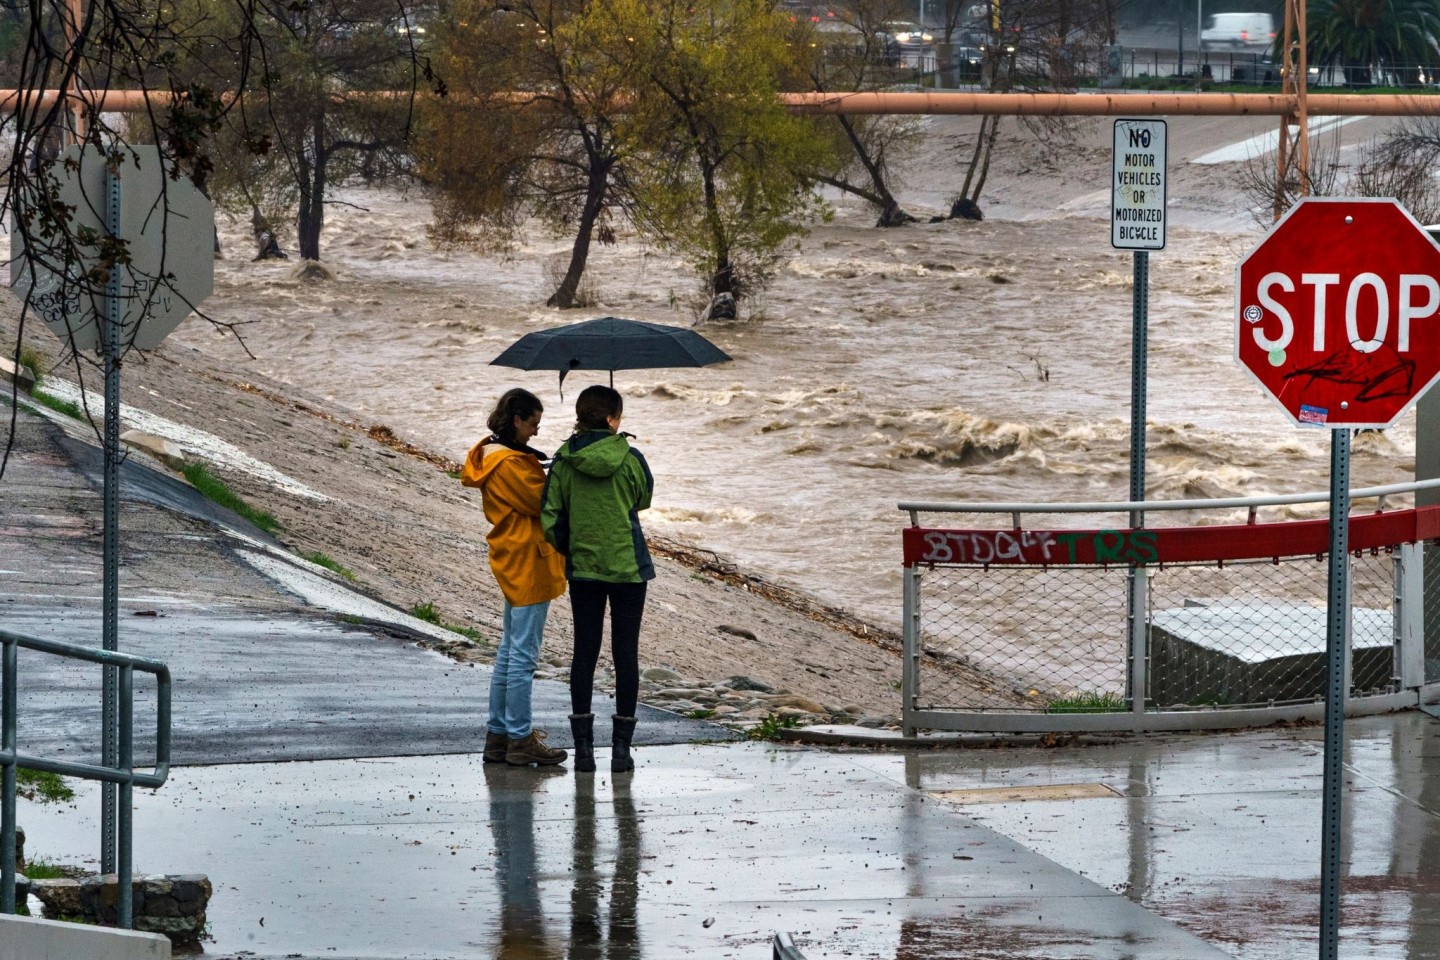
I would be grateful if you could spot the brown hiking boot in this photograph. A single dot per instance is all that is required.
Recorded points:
(495, 747)
(531, 749)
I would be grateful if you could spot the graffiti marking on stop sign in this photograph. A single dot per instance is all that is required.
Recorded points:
(1338, 312)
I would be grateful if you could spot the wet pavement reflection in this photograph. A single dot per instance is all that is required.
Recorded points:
(1221, 832)
(704, 851)
(604, 870)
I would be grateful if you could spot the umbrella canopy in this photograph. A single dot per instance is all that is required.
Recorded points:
(610, 343)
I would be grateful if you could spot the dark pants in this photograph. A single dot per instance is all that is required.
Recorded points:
(627, 606)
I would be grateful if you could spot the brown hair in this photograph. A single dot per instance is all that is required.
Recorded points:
(512, 403)
(595, 405)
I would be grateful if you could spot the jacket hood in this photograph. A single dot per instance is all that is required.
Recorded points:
(489, 454)
(597, 453)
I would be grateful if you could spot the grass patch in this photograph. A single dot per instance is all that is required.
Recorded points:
(1089, 703)
(426, 611)
(30, 357)
(68, 407)
(43, 786)
(215, 489)
(469, 633)
(453, 474)
(39, 869)
(700, 714)
(770, 727)
(334, 566)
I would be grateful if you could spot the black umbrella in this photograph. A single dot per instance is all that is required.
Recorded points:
(610, 343)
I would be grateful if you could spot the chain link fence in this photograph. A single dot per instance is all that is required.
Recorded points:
(1242, 636)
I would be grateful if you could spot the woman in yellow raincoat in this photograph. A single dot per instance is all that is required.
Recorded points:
(530, 572)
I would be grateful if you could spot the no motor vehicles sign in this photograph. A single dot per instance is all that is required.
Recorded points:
(1137, 186)
(1338, 312)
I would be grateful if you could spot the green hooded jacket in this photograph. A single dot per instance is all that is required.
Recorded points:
(597, 486)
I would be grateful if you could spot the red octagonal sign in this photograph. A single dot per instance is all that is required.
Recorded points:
(1339, 311)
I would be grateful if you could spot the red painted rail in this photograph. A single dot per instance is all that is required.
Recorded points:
(1259, 541)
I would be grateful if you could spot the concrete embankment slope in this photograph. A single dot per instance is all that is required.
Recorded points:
(272, 657)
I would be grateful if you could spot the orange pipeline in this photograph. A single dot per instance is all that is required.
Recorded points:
(952, 103)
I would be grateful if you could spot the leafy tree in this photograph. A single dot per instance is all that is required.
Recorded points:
(496, 159)
(319, 107)
(1361, 34)
(716, 164)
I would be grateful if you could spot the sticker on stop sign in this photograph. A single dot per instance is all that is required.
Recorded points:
(1338, 312)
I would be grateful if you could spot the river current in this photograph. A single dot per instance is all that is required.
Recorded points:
(954, 361)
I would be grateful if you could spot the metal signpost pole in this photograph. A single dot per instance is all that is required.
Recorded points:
(1137, 223)
(1337, 627)
(1135, 578)
(1427, 467)
(110, 603)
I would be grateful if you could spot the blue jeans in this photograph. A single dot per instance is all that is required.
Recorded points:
(515, 669)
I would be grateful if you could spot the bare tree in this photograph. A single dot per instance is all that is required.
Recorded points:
(1402, 165)
(185, 67)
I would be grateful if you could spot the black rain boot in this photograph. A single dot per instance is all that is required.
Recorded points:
(623, 732)
(582, 728)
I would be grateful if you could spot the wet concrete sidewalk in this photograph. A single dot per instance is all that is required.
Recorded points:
(704, 851)
(1166, 847)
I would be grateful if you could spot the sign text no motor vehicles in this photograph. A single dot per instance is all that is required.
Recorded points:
(1137, 186)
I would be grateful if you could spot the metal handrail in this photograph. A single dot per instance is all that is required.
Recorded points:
(123, 773)
(914, 507)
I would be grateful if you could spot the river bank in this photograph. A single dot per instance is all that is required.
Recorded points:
(392, 516)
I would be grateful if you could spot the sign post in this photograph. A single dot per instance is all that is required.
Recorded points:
(167, 227)
(1336, 312)
(1137, 222)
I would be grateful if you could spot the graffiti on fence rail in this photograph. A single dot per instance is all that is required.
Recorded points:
(1031, 546)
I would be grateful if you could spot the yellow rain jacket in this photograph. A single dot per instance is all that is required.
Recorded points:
(511, 483)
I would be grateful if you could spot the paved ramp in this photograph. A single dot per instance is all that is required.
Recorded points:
(260, 673)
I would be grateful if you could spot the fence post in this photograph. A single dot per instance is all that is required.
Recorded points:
(910, 634)
(1139, 673)
(1408, 615)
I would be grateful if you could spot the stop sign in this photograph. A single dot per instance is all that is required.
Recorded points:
(169, 229)
(1338, 311)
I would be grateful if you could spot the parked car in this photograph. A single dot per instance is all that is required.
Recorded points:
(1238, 31)
(969, 64)
(908, 34)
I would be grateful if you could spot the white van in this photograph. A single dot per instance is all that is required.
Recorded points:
(1238, 31)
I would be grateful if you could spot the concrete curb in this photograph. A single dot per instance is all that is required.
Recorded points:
(26, 938)
(840, 735)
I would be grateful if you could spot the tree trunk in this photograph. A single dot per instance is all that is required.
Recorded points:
(877, 178)
(312, 172)
(723, 279)
(595, 192)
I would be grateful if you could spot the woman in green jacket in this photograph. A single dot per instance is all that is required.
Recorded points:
(598, 484)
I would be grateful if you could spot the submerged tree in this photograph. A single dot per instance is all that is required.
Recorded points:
(865, 149)
(1034, 45)
(717, 165)
(495, 158)
(327, 97)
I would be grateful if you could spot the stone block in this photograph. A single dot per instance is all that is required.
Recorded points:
(12, 372)
(166, 451)
(60, 897)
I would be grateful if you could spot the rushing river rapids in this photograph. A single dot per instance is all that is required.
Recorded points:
(947, 361)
